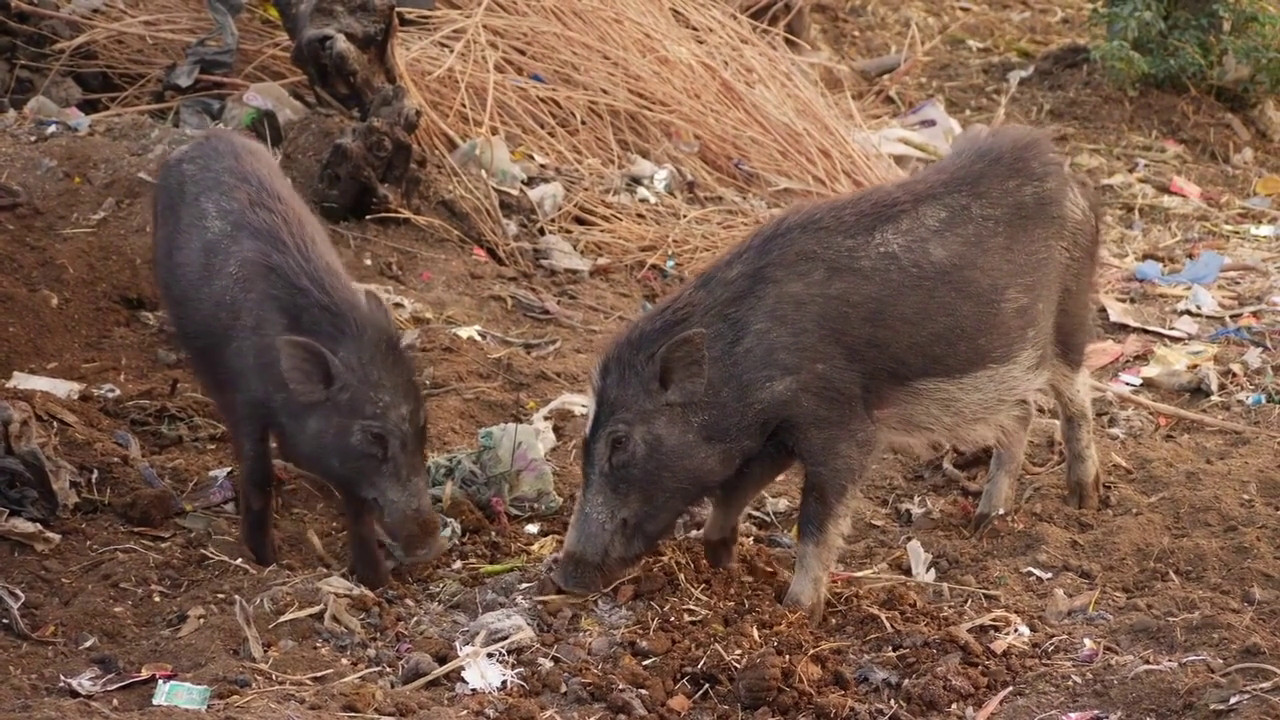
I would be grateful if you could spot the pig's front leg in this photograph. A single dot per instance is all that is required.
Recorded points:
(834, 463)
(367, 564)
(720, 534)
(256, 493)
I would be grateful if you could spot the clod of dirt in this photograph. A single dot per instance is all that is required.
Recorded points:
(757, 682)
(655, 645)
(147, 507)
(650, 584)
(497, 626)
(468, 515)
(417, 665)
(626, 703)
(599, 647)
(358, 697)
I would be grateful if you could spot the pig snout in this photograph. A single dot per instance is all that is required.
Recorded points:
(412, 525)
(589, 561)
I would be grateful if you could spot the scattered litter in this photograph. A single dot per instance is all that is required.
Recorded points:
(205, 58)
(1087, 715)
(1267, 185)
(1060, 607)
(260, 98)
(35, 485)
(108, 206)
(536, 347)
(220, 489)
(45, 113)
(920, 560)
(1042, 574)
(1132, 316)
(1202, 270)
(532, 528)
(486, 671)
(195, 619)
(555, 253)
(548, 198)
(94, 681)
(12, 598)
(925, 133)
(1102, 353)
(1200, 301)
(179, 694)
(27, 532)
(65, 389)
(650, 179)
(491, 158)
(1179, 185)
(510, 464)
(1090, 652)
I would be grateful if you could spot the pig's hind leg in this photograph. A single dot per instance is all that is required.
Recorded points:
(1075, 413)
(720, 534)
(1006, 465)
(835, 455)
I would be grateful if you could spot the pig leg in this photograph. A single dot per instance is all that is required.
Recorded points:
(833, 462)
(257, 487)
(1002, 473)
(367, 564)
(1075, 413)
(720, 534)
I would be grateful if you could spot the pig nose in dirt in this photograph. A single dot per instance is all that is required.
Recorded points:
(412, 524)
(579, 575)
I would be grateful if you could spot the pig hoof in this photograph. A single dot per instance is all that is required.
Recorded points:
(264, 553)
(813, 607)
(1086, 495)
(983, 519)
(722, 553)
(371, 577)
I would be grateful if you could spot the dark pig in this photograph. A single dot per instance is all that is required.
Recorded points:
(916, 314)
(286, 346)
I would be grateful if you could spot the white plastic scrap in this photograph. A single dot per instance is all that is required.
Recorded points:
(573, 402)
(920, 560)
(487, 672)
(1042, 574)
(65, 389)
(924, 133)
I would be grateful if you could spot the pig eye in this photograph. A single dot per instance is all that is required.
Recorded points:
(378, 443)
(619, 442)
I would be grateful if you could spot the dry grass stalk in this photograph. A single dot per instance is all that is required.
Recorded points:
(625, 76)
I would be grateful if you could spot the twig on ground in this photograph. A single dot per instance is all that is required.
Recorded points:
(1178, 412)
(244, 616)
(214, 554)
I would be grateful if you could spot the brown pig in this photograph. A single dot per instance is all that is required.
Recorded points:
(285, 345)
(908, 316)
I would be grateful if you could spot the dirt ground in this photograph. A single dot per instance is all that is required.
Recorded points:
(1152, 604)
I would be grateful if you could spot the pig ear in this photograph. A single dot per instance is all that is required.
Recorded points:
(310, 371)
(379, 308)
(682, 366)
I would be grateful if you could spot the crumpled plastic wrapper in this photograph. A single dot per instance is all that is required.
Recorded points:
(510, 463)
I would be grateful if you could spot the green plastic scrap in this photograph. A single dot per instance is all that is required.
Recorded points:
(180, 694)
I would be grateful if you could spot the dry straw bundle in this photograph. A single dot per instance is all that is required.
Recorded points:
(656, 78)
(585, 84)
